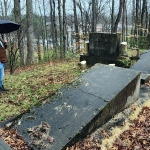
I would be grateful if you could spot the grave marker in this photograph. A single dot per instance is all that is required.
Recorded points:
(81, 107)
(104, 45)
(103, 48)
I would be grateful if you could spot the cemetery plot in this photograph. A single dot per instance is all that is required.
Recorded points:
(81, 107)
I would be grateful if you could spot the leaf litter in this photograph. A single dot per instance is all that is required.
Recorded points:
(134, 137)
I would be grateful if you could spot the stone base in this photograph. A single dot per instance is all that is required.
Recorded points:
(92, 60)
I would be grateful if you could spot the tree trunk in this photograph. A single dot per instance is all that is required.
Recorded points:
(39, 49)
(45, 28)
(76, 26)
(17, 13)
(60, 29)
(5, 6)
(112, 16)
(137, 21)
(143, 14)
(55, 29)
(118, 16)
(82, 22)
(123, 22)
(64, 28)
(148, 37)
(52, 23)
(93, 16)
(30, 32)
(2, 9)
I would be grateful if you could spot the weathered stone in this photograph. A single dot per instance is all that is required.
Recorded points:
(135, 53)
(83, 65)
(81, 107)
(104, 45)
(123, 49)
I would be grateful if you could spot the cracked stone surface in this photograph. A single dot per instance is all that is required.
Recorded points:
(74, 111)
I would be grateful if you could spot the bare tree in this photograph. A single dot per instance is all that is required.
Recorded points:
(137, 20)
(64, 28)
(123, 20)
(76, 26)
(94, 18)
(30, 33)
(45, 29)
(148, 36)
(144, 14)
(118, 16)
(112, 15)
(17, 13)
(53, 27)
(60, 29)
(5, 7)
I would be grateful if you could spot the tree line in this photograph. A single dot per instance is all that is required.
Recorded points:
(59, 24)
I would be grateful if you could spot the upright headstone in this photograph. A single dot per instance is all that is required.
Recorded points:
(104, 45)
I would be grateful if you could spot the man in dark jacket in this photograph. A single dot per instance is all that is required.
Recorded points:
(3, 60)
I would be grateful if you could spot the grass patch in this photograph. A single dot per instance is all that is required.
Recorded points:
(30, 86)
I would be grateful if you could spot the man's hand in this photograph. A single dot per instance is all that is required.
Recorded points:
(5, 40)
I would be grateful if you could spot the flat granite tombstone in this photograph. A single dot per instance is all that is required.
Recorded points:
(84, 105)
(104, 45)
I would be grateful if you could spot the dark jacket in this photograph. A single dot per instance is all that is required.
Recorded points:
(3, 57)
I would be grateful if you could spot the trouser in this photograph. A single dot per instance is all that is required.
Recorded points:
(2, 65)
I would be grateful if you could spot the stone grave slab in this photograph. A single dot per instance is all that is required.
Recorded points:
(79, 108)
(104, 45)
(143, 65)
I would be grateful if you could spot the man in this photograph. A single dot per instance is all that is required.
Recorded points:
(3, 60)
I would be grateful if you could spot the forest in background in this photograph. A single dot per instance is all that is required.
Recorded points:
(50, 29)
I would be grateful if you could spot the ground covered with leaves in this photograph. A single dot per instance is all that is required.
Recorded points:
(128, 130)
(26, 92)
(137, 137)
(30, 86)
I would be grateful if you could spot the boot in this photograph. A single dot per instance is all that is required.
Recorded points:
(1, 90)
(4, 89)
